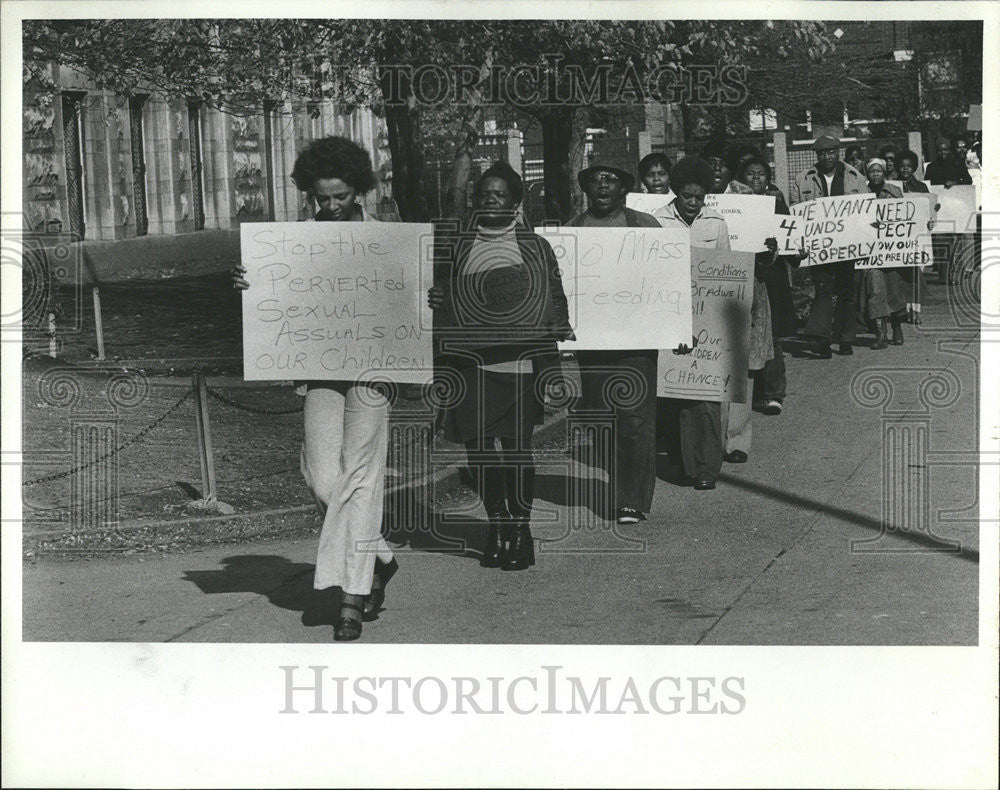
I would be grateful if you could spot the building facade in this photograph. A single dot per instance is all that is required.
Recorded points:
(102, 167)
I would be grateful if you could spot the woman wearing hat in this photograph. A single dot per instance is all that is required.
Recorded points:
(498, 355)
(700, 422)
(634, 468)
(882, 292)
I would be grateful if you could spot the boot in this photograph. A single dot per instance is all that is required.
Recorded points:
(521, 552)
(496, 540)
(881, 339)
(897, 330)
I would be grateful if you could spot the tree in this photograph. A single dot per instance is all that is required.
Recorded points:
(567, 66)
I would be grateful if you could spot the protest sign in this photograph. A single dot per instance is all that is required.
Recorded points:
(873, 232)
(716, 369)
(340, 301)
(975, 122)
(646, 201)
(626, 287)
(830, 228)
(901, 234)
(749, 218)
(956, 209)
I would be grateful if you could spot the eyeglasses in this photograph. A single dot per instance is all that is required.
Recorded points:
(605, 178)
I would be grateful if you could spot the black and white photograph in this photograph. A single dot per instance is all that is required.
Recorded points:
(440, 371)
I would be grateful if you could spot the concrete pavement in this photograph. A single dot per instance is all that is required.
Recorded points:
(790, 548)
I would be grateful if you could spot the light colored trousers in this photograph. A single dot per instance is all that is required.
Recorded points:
(737, 430)
(343, 463)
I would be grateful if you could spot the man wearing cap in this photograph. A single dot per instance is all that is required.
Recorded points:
(634, 472)
(827, 178)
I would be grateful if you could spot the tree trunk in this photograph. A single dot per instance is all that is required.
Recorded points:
(578, 158)
(405, 145)
(458, 182)
(557, 133)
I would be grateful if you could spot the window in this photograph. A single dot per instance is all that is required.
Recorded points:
(72, 109)
(197, 187)
(135, 108)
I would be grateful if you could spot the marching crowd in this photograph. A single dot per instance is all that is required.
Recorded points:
(499, 372)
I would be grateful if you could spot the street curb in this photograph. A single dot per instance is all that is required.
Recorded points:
(144, 535)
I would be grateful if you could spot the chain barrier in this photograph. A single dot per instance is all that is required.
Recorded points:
(253, 409)
(118, 449)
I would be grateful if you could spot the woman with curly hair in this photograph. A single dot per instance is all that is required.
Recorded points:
(346, 422)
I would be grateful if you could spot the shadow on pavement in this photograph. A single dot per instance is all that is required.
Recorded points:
(925, 540)
(285, 583)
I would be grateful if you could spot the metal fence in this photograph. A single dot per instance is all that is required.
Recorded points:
(801, 155)
(615, 149)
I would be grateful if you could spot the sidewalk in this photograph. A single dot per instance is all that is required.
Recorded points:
(789, 550)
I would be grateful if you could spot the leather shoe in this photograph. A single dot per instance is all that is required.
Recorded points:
(735, 457)
(821, 349)
(846, 349)
(496, 545)
(521, 552)
(704, 484)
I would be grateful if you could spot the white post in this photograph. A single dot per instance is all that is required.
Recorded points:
(98, 324)
(915, 142)
(645, 144)
(514, 149)
(52, 335)
(781, 162)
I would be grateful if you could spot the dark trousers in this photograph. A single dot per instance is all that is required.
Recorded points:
(831, 317)
(701, 438)
(622, 385)
(770, 382)
(507, 476)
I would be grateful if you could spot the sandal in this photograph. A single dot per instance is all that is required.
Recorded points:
(347, 629)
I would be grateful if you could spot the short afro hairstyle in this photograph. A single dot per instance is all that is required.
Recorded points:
(505, 173)
(692, 170)
(334, 157)
(906, 155)
(650, 160)
(755, 159)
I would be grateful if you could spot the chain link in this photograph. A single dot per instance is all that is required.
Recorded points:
(253, 409)
(118, 449)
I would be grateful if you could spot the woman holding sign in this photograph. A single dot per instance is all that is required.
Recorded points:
(700, 421)
(770, 382)
(502, 309)
(882, 292)
(346, 422)
(907, 164)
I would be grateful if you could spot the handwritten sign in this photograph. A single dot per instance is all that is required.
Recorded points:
(870, 231)
(721, 297)
(750, 219)
(647, 201)
(956, 209)
(901, 234)
(626, 287)
(342, 301)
